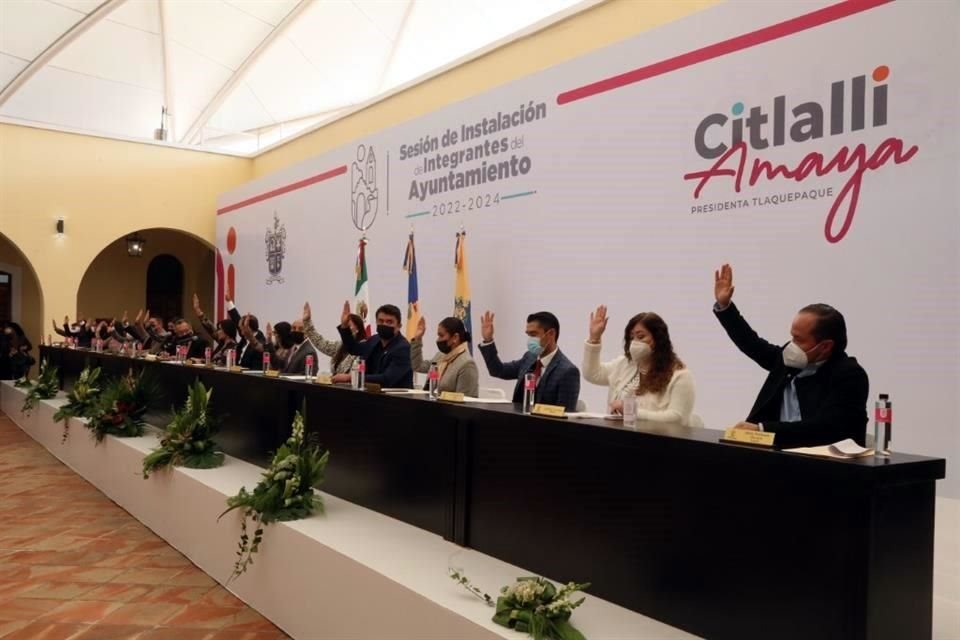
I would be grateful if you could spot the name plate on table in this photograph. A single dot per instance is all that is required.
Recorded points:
(151, 358)
(550, 410)
(745, 436)
(273, 373)
(323, 378)
(451, 396)
(236, 369)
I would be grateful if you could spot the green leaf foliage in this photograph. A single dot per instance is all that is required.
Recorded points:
(188, 440)
(81, 400)
(47, 386)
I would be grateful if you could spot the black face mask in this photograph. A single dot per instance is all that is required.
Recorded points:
(286, 341)
(386, 332)
(296, 336)
(444, 347)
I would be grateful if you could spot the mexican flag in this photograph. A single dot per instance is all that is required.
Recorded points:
(361, 291)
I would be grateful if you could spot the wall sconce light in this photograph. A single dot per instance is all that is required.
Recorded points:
(135, 244)
(60, 226)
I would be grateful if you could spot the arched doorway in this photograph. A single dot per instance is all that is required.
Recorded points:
(165, 286)
(21, 297)
(173, 266)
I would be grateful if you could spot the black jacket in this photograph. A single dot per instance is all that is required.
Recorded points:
(388, 366)
(833, 401)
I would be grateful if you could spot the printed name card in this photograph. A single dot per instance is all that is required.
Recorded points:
(273, 373)
(236, 369)
(745, 436)
(550, 410)
(451, 396)
(323, 378)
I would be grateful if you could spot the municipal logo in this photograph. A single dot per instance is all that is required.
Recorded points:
(276, 246)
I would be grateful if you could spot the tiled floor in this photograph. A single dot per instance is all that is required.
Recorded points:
(74, 565)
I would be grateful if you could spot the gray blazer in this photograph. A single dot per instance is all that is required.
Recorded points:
(461, 375)
(298, 361)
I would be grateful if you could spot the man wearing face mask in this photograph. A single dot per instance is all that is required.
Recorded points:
(815, 393)
(299, 349)
(185, 336)
(387, 355)
(557, 379)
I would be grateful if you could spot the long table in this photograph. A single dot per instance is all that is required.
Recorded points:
(722, 540)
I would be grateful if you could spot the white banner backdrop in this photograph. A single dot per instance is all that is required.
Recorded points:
(813, 146)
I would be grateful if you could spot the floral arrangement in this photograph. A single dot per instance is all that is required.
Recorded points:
(285, 492)
(188, 441)
(532, 605)
(121, 407)
(81, 400)
(47, 386)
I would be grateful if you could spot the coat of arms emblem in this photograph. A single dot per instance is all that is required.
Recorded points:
(365, 196)
(276, 241)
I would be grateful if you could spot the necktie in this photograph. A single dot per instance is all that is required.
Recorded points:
(537, 370)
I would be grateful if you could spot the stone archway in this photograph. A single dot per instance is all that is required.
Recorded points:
(23, 292)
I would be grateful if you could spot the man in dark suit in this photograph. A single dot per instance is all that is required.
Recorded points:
(815, 393)
(387, 354)
(248, 356)
(297, 358)
(557, 379)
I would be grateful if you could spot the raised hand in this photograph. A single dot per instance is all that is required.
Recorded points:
(124, 320)
(723, 285)
(55, 327)
(196, 306)
(421, 329)
(228, 295)
(486, 326)
(307, 313)
(269, 332)
(598, 323)
(139, 317)
(345, 315)
(66, 320)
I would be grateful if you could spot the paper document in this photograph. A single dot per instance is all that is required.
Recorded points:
(843, 450)
(590, 415)
(487, 400)
(409, 392)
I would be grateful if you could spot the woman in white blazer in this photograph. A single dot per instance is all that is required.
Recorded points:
(648, 369)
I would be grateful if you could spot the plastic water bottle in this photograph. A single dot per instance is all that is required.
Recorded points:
(231, 358)
(207, 356)
(136, 349)
(266, 362)
(308, 367)
(360, 381)
(433, 381)
(630, 409)
(882, 426)
(529, 392)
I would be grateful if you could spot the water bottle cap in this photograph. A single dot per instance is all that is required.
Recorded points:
(884, 396)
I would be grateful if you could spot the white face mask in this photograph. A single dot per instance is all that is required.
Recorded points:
(639, 351)
(795, 357)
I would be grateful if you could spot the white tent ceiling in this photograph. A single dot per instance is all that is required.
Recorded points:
(235, 75)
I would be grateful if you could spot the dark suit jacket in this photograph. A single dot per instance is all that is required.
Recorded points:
(389, 367)
(297, 364)
(559, 383)
(247, 357)
(833, 401)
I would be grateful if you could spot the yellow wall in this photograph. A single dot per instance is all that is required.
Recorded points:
(31, 299)
(115, 282)
(597, 27)
(104, 190)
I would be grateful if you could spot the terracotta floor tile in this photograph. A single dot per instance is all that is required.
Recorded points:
(144, 613)
(112, 632)
(146, 576)
(9, 626)
(175, 595)
(203, 616)
(192, 578)
(176, 633)
(47, 631)
(58, 590)
(115, 592)
(26, 608)
(76, 566)
(88, 611)
(220, 597)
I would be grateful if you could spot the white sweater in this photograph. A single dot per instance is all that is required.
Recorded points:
(674, 404)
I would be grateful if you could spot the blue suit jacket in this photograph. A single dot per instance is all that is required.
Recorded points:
(389, 367)
(559, 382)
